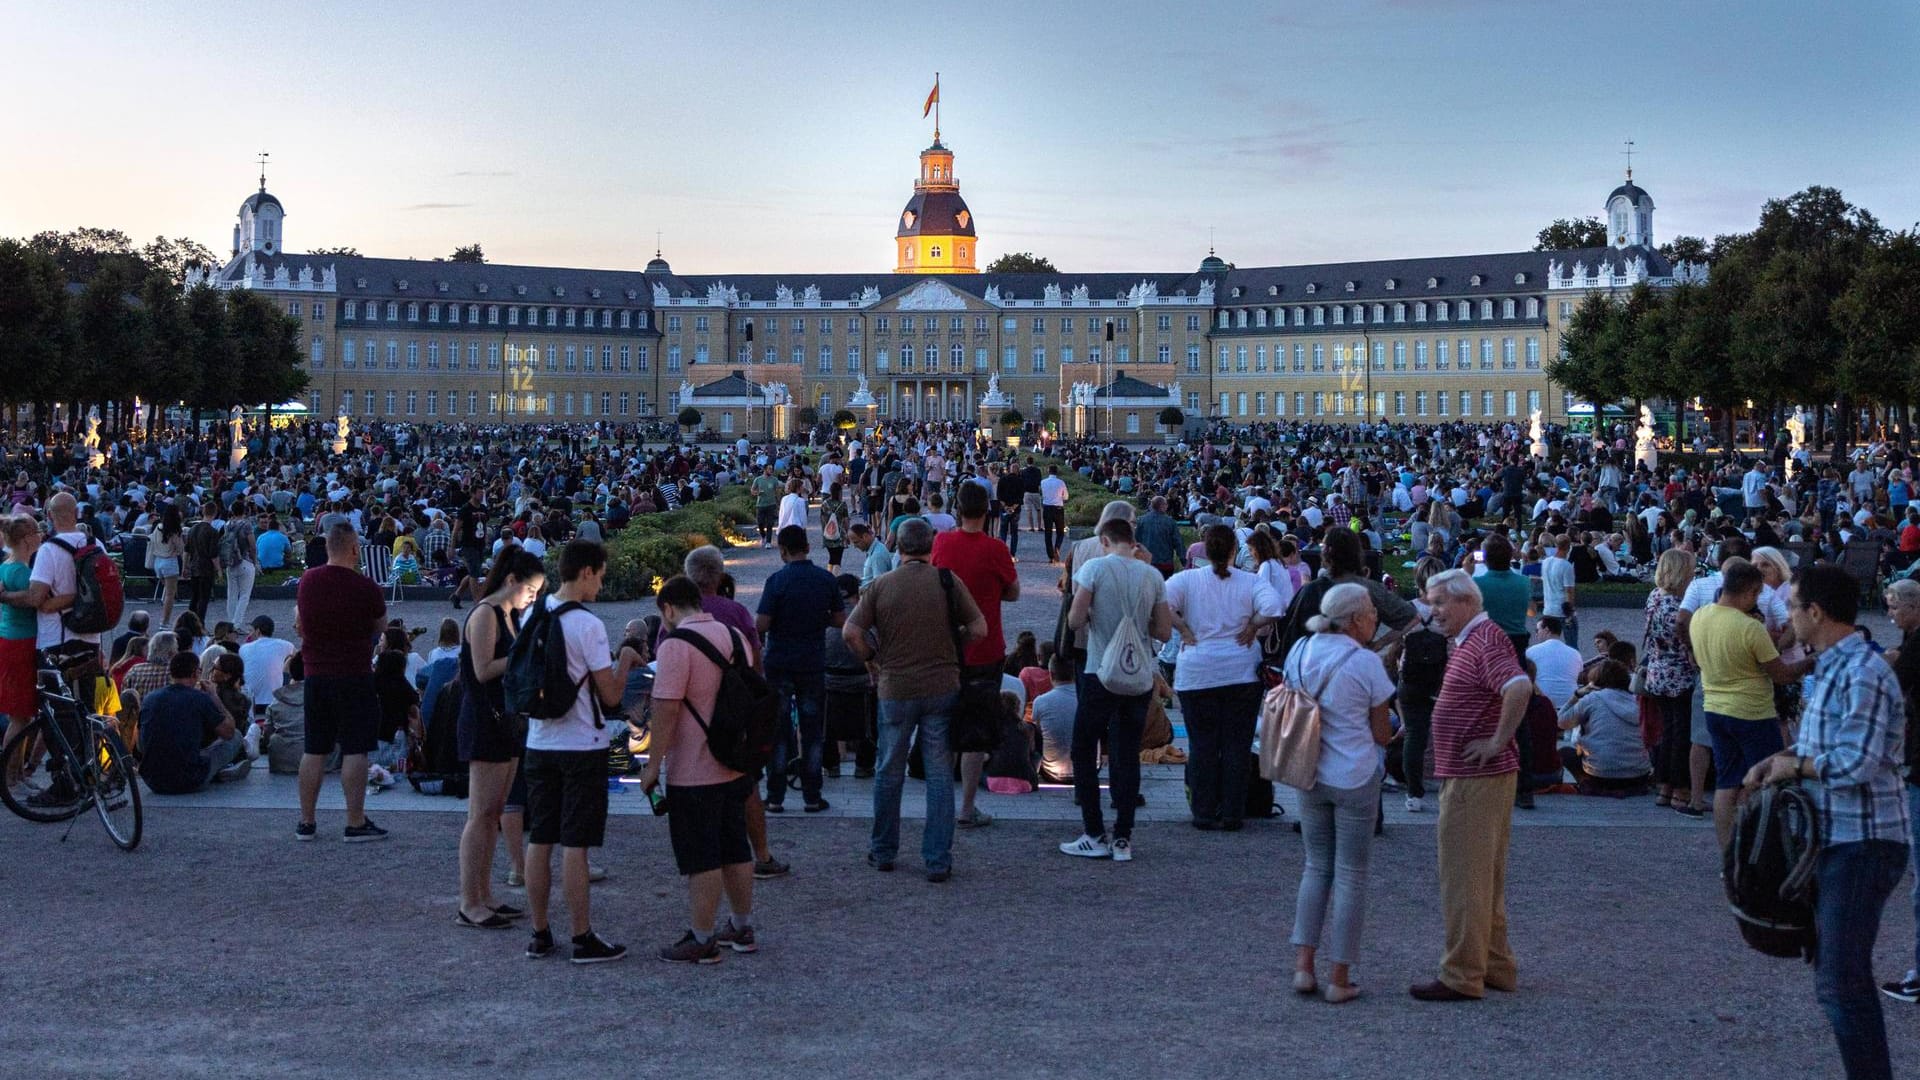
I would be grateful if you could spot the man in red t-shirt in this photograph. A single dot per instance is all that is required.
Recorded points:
(338, 615)
(985, 567)
(1481, 704)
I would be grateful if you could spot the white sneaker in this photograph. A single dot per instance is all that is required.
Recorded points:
(1416, 805)
(1123, 850)
(1088, 847)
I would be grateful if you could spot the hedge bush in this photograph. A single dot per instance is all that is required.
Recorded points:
(655, 545)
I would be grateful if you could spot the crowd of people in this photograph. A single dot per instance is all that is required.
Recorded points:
(1421, 585)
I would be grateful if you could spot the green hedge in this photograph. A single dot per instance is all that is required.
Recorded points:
(655, 545)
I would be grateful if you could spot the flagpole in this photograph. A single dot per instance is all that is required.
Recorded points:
(936, 106)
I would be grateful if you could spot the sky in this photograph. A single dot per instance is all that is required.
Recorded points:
(783, 137)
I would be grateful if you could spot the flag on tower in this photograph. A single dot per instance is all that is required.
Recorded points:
(933, 98)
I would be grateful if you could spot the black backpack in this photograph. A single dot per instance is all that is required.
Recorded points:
(1423, 665)
(1769, 864)
(746, 711)
(537, 682)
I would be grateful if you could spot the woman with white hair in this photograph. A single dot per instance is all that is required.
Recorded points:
(1337, 813)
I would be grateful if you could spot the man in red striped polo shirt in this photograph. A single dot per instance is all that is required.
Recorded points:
(1482, 701)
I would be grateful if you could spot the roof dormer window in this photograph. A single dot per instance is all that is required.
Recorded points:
(1392, 283)
(1350, 286)
(1474, 280)
(1433, 283)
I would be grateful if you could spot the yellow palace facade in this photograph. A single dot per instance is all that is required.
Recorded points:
(1455, 337)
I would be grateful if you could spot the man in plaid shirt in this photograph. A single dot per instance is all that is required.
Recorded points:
(1852, 740)
(1338, 512)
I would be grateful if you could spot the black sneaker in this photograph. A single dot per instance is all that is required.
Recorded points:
(365, 832)
(862, 773)
(816, 807)
(541, 946)
(305, 831)
(689, 951)
(589, 948)
(776, 808)
(1907, 990)
(771, 868)
(735, 938)
(1524, 800)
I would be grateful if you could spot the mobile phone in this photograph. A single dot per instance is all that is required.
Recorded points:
(657, 799)
(1479, 556)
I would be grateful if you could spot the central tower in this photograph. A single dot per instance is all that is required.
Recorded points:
(935, 234)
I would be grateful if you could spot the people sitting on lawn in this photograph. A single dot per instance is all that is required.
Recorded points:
(187, 739)
(1608, 755)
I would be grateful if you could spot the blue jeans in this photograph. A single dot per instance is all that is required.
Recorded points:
(804, 692)
(898, 719)
(1913, 815)
(1851, 884)
(1115, 720)
(1336, 825)
(1010, 529)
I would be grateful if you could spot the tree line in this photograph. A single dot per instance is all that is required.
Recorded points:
(89, 321)
(1818, 306)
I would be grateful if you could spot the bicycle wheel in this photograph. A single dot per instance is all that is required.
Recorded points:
(116, 789)
(33, 776)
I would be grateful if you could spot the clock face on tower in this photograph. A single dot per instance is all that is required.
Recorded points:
(1621, 239)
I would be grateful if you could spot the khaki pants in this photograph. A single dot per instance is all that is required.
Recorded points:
(1476, 819)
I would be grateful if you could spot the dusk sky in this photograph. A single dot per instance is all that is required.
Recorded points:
(784, 137)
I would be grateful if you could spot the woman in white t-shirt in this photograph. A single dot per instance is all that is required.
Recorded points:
(793, 506)
(1337, 814)
(1218, 609)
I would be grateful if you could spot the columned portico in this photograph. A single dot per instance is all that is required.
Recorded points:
(933, 398)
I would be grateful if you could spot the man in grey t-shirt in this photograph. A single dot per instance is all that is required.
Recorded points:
(1108, 590)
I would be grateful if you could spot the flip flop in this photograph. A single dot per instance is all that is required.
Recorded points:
(491, 922)
(508, 911)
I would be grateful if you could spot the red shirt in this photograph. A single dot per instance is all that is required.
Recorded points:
(337, 609)
(1468, 708)
(984, 566)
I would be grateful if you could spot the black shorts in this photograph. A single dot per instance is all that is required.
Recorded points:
(474, 559)
(343, 711)
(566, 797)
(708, 825)
(482, 733)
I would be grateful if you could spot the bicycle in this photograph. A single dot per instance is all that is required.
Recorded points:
(45, 777)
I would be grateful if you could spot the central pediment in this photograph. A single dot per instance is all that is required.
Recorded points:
(932, 296)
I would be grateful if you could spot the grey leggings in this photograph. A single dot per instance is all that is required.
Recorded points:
(1337, 826)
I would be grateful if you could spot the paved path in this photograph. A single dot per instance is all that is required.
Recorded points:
(222, 948)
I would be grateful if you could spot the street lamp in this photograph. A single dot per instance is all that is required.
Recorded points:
(1106, 368)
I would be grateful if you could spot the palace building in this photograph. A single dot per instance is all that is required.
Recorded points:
(1421, 339)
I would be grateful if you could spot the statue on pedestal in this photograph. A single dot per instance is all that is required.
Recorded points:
(1645, 450)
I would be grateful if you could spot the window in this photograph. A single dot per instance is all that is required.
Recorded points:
(1133, 423)
(351, 310)
(1486, 403)
(393, 355)
(1319, 316)
(673, 359)
(606, 402)
(1039, 406)
(1399, 403)
(1340, 356)
(1419, 356)
(473, 358)
(570, 358)
(413, 356)
(1299, 360)
(1193, 359)
(570, 312)
(906, 357)
(1419, 403)
(473, 402)
(1533, 354)
(726, 423)
(606, 357)
(513, 316)
(1506, 308)
(1533, 307)
(956, 358)
(626, 402)
(1339, 404)
(1466, 404)
(1039, 359)
(798, 356)
(1340, 316)
(1533, 401)
(1379, 404)
(1513, 403)
(1566, 310)
(367, 399)
(1226, 405)
(370, 356)
(1440, 399)
(566, 404)
(1379, 356)
(1399, 356)
(906, 324)
(1299, 403)
(1241, 400)
(1163, 322)
(1506, 354)
(826, 360)
(493, 357)
(1193, 323)
(1221, 365)
(1164, 353)
(1260, 317)
(1259, 357)
(700, 353)
(1441, 360)
(316, 355)
(412, 402)
(433, 356)
(1259, 403)
(1240, 359)
(626, 358)
(643, 357)
(1486, 309)
(1420, 311)
(1319, 362)
(853, 359)
(1193, 402)
(346, 403)
(699, 324)
(553, 358)
(1319, 403)
(1486, 354)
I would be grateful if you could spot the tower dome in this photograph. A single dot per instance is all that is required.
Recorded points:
(935, 234)
(1629, 216)
(261, 215)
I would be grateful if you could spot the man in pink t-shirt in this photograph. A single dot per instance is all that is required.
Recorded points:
(1482, 701)
(706, 802)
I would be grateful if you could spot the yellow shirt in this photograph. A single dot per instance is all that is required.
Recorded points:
(1732, 649)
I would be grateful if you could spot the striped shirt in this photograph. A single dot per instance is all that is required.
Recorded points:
(1468, 709)
(1853, 728)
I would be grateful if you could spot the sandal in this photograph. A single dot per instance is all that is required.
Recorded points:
(508, 911)
(493, 921)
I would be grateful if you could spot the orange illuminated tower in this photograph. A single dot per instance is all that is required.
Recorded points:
(935, 234)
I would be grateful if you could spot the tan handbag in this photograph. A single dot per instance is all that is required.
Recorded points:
(1290, 731)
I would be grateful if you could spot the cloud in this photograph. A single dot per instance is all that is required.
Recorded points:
(490, 173)
(435, 206)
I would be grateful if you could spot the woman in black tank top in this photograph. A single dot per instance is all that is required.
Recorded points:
(490, 741)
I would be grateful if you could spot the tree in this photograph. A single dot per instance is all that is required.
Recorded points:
(1686, 249)
(1012, 418)
(335, 253)
(35, 333)
(266, 343)
(1594, 349)
(1569, 234)
(167, 372)
(1172, 417)
(809, 417)
(1022, 262)
(212, 350)
(173, 258)
(1879, 322)
(845, 420)
(689, 417)
(469, 253)
(82, 252)
(112, 335)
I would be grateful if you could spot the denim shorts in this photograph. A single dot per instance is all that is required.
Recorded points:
(1739, 745)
